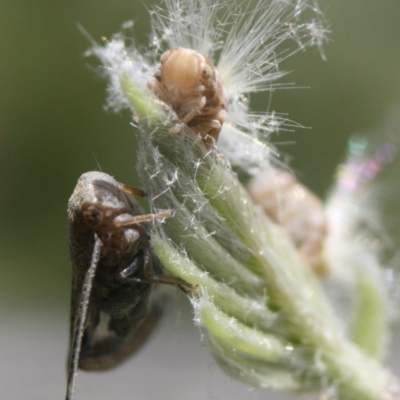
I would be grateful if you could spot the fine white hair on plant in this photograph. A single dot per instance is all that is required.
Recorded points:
(246, 41)
(242, 39)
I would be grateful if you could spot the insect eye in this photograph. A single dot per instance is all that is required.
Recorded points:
(207, 72)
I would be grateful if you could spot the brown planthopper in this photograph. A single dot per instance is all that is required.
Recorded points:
(114, 305)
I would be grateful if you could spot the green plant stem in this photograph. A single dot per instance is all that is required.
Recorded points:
(369, 327)
(215, 219)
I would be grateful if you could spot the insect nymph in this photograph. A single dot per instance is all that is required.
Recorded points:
(191, 85)
(296, 209)
(113, 299)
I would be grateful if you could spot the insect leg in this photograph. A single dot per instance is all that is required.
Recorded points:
(150, 276)
(131, 190)
(137, 219)
(194, 112)
(184, 286)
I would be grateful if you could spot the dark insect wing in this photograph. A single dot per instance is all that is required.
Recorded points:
(78, 322)
(114, 304)
(95, 193)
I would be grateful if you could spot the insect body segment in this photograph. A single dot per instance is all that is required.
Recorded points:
(114, 305)
(191, 85)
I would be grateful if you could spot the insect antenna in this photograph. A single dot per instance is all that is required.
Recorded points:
(81, 317)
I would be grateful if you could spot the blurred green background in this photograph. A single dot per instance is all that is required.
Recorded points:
(53, 127)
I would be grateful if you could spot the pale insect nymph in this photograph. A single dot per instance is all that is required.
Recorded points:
(296, 209)
(191, 85)
(114, 302)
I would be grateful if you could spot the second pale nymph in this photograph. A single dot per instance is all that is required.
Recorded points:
(191, 85)
(298, 211)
